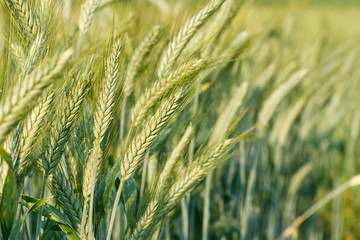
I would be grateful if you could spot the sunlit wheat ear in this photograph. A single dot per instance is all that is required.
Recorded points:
(187, 180)
(138, 57)
(18, 53)
(27, 92)
(88, 9)
(35, 54)
(102, 122)
(178, 44)
(272, 102)
(21, 11)
(143, 141)
(180, 77)
(32, 129)
(165, 173)
(61, 128)
(102, 117)
(136, 151)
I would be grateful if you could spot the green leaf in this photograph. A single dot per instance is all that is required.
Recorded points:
(54, 214)
(69, 232)
(6, 156)
(110, 181)
(129, 195)
(18, 224)
(8, 204)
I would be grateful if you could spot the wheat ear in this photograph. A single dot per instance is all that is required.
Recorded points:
(272, 102)
(17, 103)
(61, 129)
(88, 9)
(175, 154)
(101, 124)
(18, 53)
(20, 10)
(177, 79)
(59, 135)
(177, 45)
(138, 148)
(189, 178)
(35, 53)
(31, 132)
(137, 58)
(66, 196)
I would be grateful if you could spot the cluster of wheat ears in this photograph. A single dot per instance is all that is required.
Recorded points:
(49, 123)
(109, 120)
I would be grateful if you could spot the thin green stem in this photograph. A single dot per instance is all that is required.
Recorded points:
(39, 217)
(113, 212)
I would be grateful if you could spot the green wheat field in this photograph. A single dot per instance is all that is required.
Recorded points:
(179, 119)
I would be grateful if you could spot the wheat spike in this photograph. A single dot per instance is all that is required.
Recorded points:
(88, 9)
(35, 54)
(17, 103)
(31, 132)
(60, 130)
(65, 195)
(177, 45)
(175, 154)
(138, 147)
(101, 123)
(21, 11)
(188, 178)
(19, 54)
(177, 79)
(272, 102)
(137, 58)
